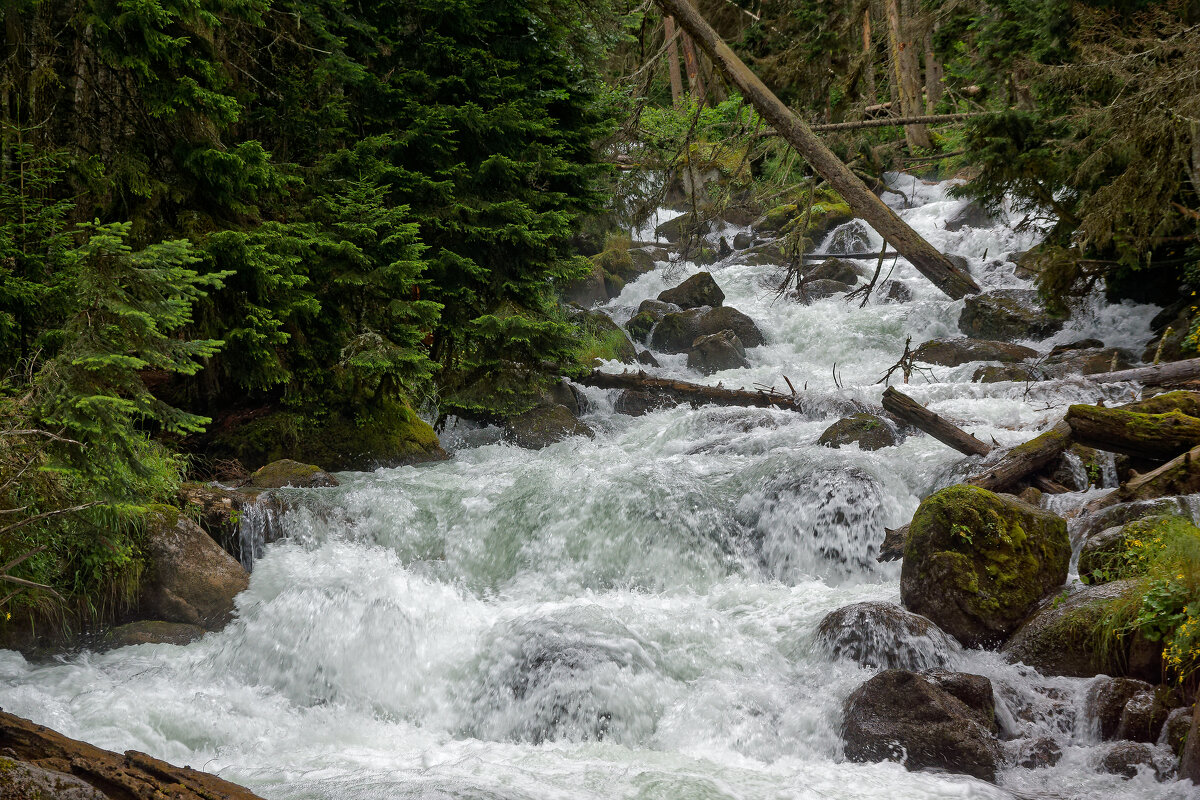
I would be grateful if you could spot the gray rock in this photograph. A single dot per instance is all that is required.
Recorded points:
(743, 241)
(933, 721)
(681, 227)
(833, 269)
(588, 290)
(1019, 373)
(870, 431)
(811, 291)
(647, 358)
(1189, 762)
(1178, 723)
(1039, 754)
(1144, 716)
(972, 215)
(1124, 513)
(544, 425)
(1090, 361)
(953, 352)
(1125, 758)
(676, 332)
(717, 352)
(636, 403)
(698, 290)
(894, 540)
(20, 780)
(896, 292)
(884, 636)
(1007, 315)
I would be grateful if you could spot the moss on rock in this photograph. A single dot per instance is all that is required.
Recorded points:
(977, 563)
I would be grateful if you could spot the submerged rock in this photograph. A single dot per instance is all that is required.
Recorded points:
(286, 472)
(953, 352)
(636, 403)
(676, 332)
(1007, 315)
(698, 290)
(884, 635)
(151, 631)
(544, 425)
(977, 563)
(717, 352)
(871, 432)
(1039, 754)
(1126, 759)
(939, 721)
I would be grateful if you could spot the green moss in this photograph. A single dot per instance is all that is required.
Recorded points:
(1181, 400)
(162, 515)
(640, 326)
(605, 345)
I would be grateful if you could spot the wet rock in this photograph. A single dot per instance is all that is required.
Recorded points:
(743, 241)
(870, 431)
(1019, 373)
(1031, 495)
(925, 721)
(647, 358)
(154, 631)
(1125, 758)
(894, 539)
(44, 757)
(647, 258)
(1007, 315)
(1088, 362)
(1060, 638)
(681, 227)
(1189, 762)
(189, 579)
(953, 352)
(1079, 344)
(884, 636)
(717, 352)
(649, 314)
(566, 395)
(833, 269)
(1123, 513)
(219, 510)
(896, 292)
(811, 291)
(1103, 556)
(1176, 728)
(676, 332)
(1039, 754)
(723, 248)
(588, 290)
(287, 472)
(635, 403)
(697, 291)
(767, 253)
(544, 425)
(1144, 715)
(1106, 701)
(972, 215)
(1079, 468)
(977, 563)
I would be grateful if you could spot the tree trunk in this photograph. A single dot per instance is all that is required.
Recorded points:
(904, 407)
(868, 57)
(906, 64)
(673, 61)
(690, 392)
(934, 73)
(1172, 373)
(692, 64)
(1156, 437)
(932, 264)
(1024, 460)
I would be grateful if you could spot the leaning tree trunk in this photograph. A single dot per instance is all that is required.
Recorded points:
(673, 61)
(692, 64)
(862, 201)
(906, 68)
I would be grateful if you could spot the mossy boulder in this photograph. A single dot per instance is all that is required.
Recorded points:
(586, 290)
(1107, 555)
(676, 332)
(1008, 315)
(1066, 636)
(698, 290)
(684, 226)
(977, 563)
(286, 472)
(868, 430)
(601, 338)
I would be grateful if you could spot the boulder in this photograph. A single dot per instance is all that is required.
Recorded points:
(649, 314)
(1040, 753)
(884, 636)
(152, 631)
(972, 215)
(684, 226)
(544, 425)
(647, 358)
(1007, 315)
(1104, 555)
(743, 240)
(636, 403)
(698, 290)
(1144, 715)
(894, 539)
(1087, 362)
(676, 332)
(717, 352)
(1106, 701)
(75, 770)
(952, 352)
(587, 290)
(189, 578)
(1019, 373)
(765, 254)
(977, 563)
(1126, 758)
(1123, 513)
(936, 721)
(1178, 723)
(615, 343)
(1061, 638)
(286, 472)
(896, 292)
(647, 258)
(219, 511)
(868, 430)
(811, 291)
(833, 269)
(1189, 762)
(1170, 327)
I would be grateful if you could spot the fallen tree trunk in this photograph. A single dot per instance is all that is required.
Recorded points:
(1179, 476)
(910, 411)
(852, 256)
(1156, 437)
(1025, 460)
(1168, 374)
(862, 201)
(690, 392)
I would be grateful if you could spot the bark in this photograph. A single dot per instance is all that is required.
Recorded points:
(692, 64)
(906, 66)
(690, 392)
(905, 408)
(1026, 459)
(934, 73)
(1179, 476)
(1172, 373)
(868, 59)
(673, 61)
(932, 264)
(1155, 437)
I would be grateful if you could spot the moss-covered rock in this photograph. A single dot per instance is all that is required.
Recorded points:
(1111, 554)
(600, 338)
(286, 472)
(868, 430)
(977, 563)
(641, 325)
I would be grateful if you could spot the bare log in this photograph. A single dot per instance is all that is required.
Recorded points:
(673, 61)
(1025, 460)
(1156, 437)
(912, 412)
(1172, 373)
(690, 392)
(931, 263)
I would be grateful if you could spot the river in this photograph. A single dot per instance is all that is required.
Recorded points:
(629, 616)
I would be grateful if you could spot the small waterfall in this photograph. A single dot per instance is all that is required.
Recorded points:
(259, 524)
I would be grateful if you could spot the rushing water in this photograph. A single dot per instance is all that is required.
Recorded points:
(630, 616)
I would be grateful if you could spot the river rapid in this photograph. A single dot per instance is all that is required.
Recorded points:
(629, 616)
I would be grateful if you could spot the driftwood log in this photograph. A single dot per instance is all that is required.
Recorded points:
(905, 408)
(1179, 476)
(690, 392)
(922, 255)
(1172, 373)
(1155, 437)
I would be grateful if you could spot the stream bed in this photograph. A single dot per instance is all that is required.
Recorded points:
(629, 616)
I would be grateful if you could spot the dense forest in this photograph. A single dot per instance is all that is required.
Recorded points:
(238, 230)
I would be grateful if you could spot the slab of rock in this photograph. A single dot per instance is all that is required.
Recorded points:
(1060, 638)
(871, 432)
(953, 352)
(1007, 315)
(286, 472)
(884, 635)
(977, 563)
(189, 579)
(717, 352)
(697, 291)
(676, 332)
(80, 771)
(544, 425)
(1019, 373)
(1088, 362)
(939, 721)
(894, 539)
(152, 631)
